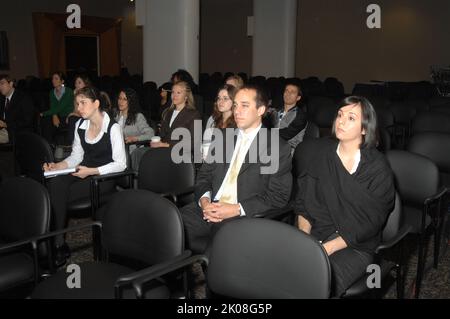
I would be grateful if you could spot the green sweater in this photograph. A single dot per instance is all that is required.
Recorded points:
(64, 106)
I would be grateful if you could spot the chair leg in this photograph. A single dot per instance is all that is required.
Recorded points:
(420, 265)
(437, 244)
(400, 282)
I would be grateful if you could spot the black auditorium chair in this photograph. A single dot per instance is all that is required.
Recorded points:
(393, 234)
(159, 173)
(140, 229)
(24, 213)
(254, 258)
(431, 122)
(32, 151)
(417, 181)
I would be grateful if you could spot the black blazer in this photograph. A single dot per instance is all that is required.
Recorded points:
(256, 192)
(184, 119)
(20, 113)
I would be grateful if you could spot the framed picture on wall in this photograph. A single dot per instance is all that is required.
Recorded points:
(4, 51)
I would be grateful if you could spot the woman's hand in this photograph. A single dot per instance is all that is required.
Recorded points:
(131, 139)
(334, 245)
(158, 144)
(83, 172)
(56, 121)
(304, 225)
(54, 166)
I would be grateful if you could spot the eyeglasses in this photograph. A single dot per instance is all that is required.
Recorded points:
(224, 99)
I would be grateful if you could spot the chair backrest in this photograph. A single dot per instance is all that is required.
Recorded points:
(384, 140)
(158, 173)
(142, 226)
(312, 131)
(262, 258)
(435, 146)
(25, 209)
(31, 152)
(431, 122)
(393, 222)
(416, 176)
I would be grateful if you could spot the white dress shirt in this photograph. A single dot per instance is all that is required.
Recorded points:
(250, 137)
(357, 159)
(119, 158)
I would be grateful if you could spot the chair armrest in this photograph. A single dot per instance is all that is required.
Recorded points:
(139, 143)
(436, 196)
(112, 176)
(39, 238)
(139, 278)
(393, 241)
(95, 185)
(276, 213)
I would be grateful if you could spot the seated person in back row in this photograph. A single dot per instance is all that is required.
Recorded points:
(346, 191)
(181, 114)
(133, 123)
(98, 149)
(16, 111)
(53, 121)
(291, 120)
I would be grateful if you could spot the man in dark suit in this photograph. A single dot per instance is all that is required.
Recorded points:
(16, 109)
(242, 180)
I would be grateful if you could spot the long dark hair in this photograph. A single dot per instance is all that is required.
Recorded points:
(368, 120)
(217, 115)
(134, 107)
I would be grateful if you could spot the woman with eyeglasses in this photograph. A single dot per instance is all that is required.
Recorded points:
(222, 116)
(98, 148)
(133, 123)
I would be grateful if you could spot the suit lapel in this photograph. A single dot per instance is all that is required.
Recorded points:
(256, 145)
(178, 118)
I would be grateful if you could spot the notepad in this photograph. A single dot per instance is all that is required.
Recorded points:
(58, 172)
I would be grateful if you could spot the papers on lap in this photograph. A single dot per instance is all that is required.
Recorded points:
(58, 172)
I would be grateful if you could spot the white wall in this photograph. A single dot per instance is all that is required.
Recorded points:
(171, 38)
(274, 37)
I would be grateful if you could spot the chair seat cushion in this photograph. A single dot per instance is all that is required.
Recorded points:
(84, 204)
(360, 286)
(413, 216)
(16, 269)
(97, 282)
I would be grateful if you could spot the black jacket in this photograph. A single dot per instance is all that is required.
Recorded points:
(20, 114)
(257, 192)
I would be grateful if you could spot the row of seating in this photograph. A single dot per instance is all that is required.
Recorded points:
(241, 262)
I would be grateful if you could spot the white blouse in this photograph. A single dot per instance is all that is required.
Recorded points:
(119, 158)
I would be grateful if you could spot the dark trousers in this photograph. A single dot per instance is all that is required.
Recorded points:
(198, 231)
(53, 134)
(347, 266)
(64, 189)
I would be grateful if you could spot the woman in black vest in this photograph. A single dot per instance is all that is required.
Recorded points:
(98, 148)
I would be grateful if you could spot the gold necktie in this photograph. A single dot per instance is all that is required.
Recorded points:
(229, 193)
